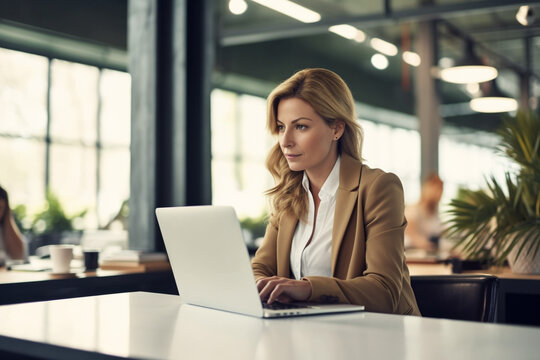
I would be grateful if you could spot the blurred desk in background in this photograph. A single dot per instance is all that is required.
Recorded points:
(519, 295)
(27, 286)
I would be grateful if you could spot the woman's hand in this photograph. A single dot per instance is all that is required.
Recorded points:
(282, 289)
(13, 240)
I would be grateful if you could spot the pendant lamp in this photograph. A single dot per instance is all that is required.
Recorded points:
(493, 100)
(469, 70)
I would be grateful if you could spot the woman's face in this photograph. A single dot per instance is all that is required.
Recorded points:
(306, 141)
(432, 192)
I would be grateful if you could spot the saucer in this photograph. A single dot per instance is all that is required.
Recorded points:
(64, 274)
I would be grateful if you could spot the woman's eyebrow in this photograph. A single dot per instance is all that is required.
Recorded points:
(296, 120)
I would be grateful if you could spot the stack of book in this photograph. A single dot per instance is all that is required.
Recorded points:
(135, 260)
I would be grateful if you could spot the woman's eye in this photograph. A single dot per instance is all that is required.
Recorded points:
(301, 127)
(280, 128)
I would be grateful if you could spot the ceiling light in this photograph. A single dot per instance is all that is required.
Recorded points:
(348, 32)
(469, 74)
(379, 61)
(493, 101)
(383, 46)
(411, 58)
(493, 104)
(237, 7)
(360, 36)
(469, 70)
(291, 9)
(525, 15)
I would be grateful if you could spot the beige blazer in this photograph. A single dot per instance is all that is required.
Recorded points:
(368, 261)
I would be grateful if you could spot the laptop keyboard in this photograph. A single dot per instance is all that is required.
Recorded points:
(282, 306)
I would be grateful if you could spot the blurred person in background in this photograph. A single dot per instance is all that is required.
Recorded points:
(11, 242)
(424, 225)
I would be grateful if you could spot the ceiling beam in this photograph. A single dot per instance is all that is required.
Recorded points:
(502, 33)
(502, 59)
(258, 34)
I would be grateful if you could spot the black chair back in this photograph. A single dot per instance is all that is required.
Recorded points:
(460, 297)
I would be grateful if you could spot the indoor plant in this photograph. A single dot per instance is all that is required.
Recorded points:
(52, 225)
(504, 219)
(255, 228)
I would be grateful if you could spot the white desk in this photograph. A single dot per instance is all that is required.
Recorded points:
(157, 326)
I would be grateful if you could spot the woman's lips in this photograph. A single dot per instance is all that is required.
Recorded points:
(292, 156)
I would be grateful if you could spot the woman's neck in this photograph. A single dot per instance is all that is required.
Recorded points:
(429, 206)
(319, 176)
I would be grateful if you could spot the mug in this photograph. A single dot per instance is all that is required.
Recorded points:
(91, 260)
(61, 256)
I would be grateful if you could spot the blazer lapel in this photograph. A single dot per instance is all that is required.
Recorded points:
(284, 241)
(349, 178)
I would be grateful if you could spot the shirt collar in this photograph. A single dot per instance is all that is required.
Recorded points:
(331, 183)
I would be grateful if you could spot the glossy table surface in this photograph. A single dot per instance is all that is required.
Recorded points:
(158, 326)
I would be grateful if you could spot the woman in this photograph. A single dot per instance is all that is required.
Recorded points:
(336, 229)
(424, 225)
(11, 242)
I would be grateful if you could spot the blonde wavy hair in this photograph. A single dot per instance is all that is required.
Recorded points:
(332, 100)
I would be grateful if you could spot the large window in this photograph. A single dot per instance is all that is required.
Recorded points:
(23, 126)
(73, 135)
(240, 143)
(114, 125)
(467, 165)
(396, 150)
(66, 127)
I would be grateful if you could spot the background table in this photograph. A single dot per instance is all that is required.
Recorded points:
(21, 286)
(519, 295)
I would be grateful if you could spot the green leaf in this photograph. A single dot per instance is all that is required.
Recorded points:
(507, 214)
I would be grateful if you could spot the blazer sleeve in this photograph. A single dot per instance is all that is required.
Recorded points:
(264, 263)
(383, 223)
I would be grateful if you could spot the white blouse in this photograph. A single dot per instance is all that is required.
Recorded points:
(315, 259)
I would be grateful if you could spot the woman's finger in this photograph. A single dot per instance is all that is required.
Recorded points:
(270, 285)
(291, 290)
(277, 293)
(261, 283)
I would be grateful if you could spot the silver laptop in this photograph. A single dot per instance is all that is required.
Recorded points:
(211, 264)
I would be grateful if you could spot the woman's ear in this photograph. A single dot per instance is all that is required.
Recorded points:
(339, 129)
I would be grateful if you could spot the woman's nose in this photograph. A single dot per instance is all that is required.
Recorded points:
(286, 139)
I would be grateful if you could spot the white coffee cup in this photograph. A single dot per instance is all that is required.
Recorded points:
(61, 256)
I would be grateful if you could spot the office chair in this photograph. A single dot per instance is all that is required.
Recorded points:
(460, 297)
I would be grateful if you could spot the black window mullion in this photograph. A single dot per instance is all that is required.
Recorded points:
(48, 127)
(98, 143)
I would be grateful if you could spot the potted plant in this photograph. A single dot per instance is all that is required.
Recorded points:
(255, 227)
(504, 220)
(52, 225)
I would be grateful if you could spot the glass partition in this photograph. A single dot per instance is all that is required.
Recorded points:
(23, 94)
(74, 102)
